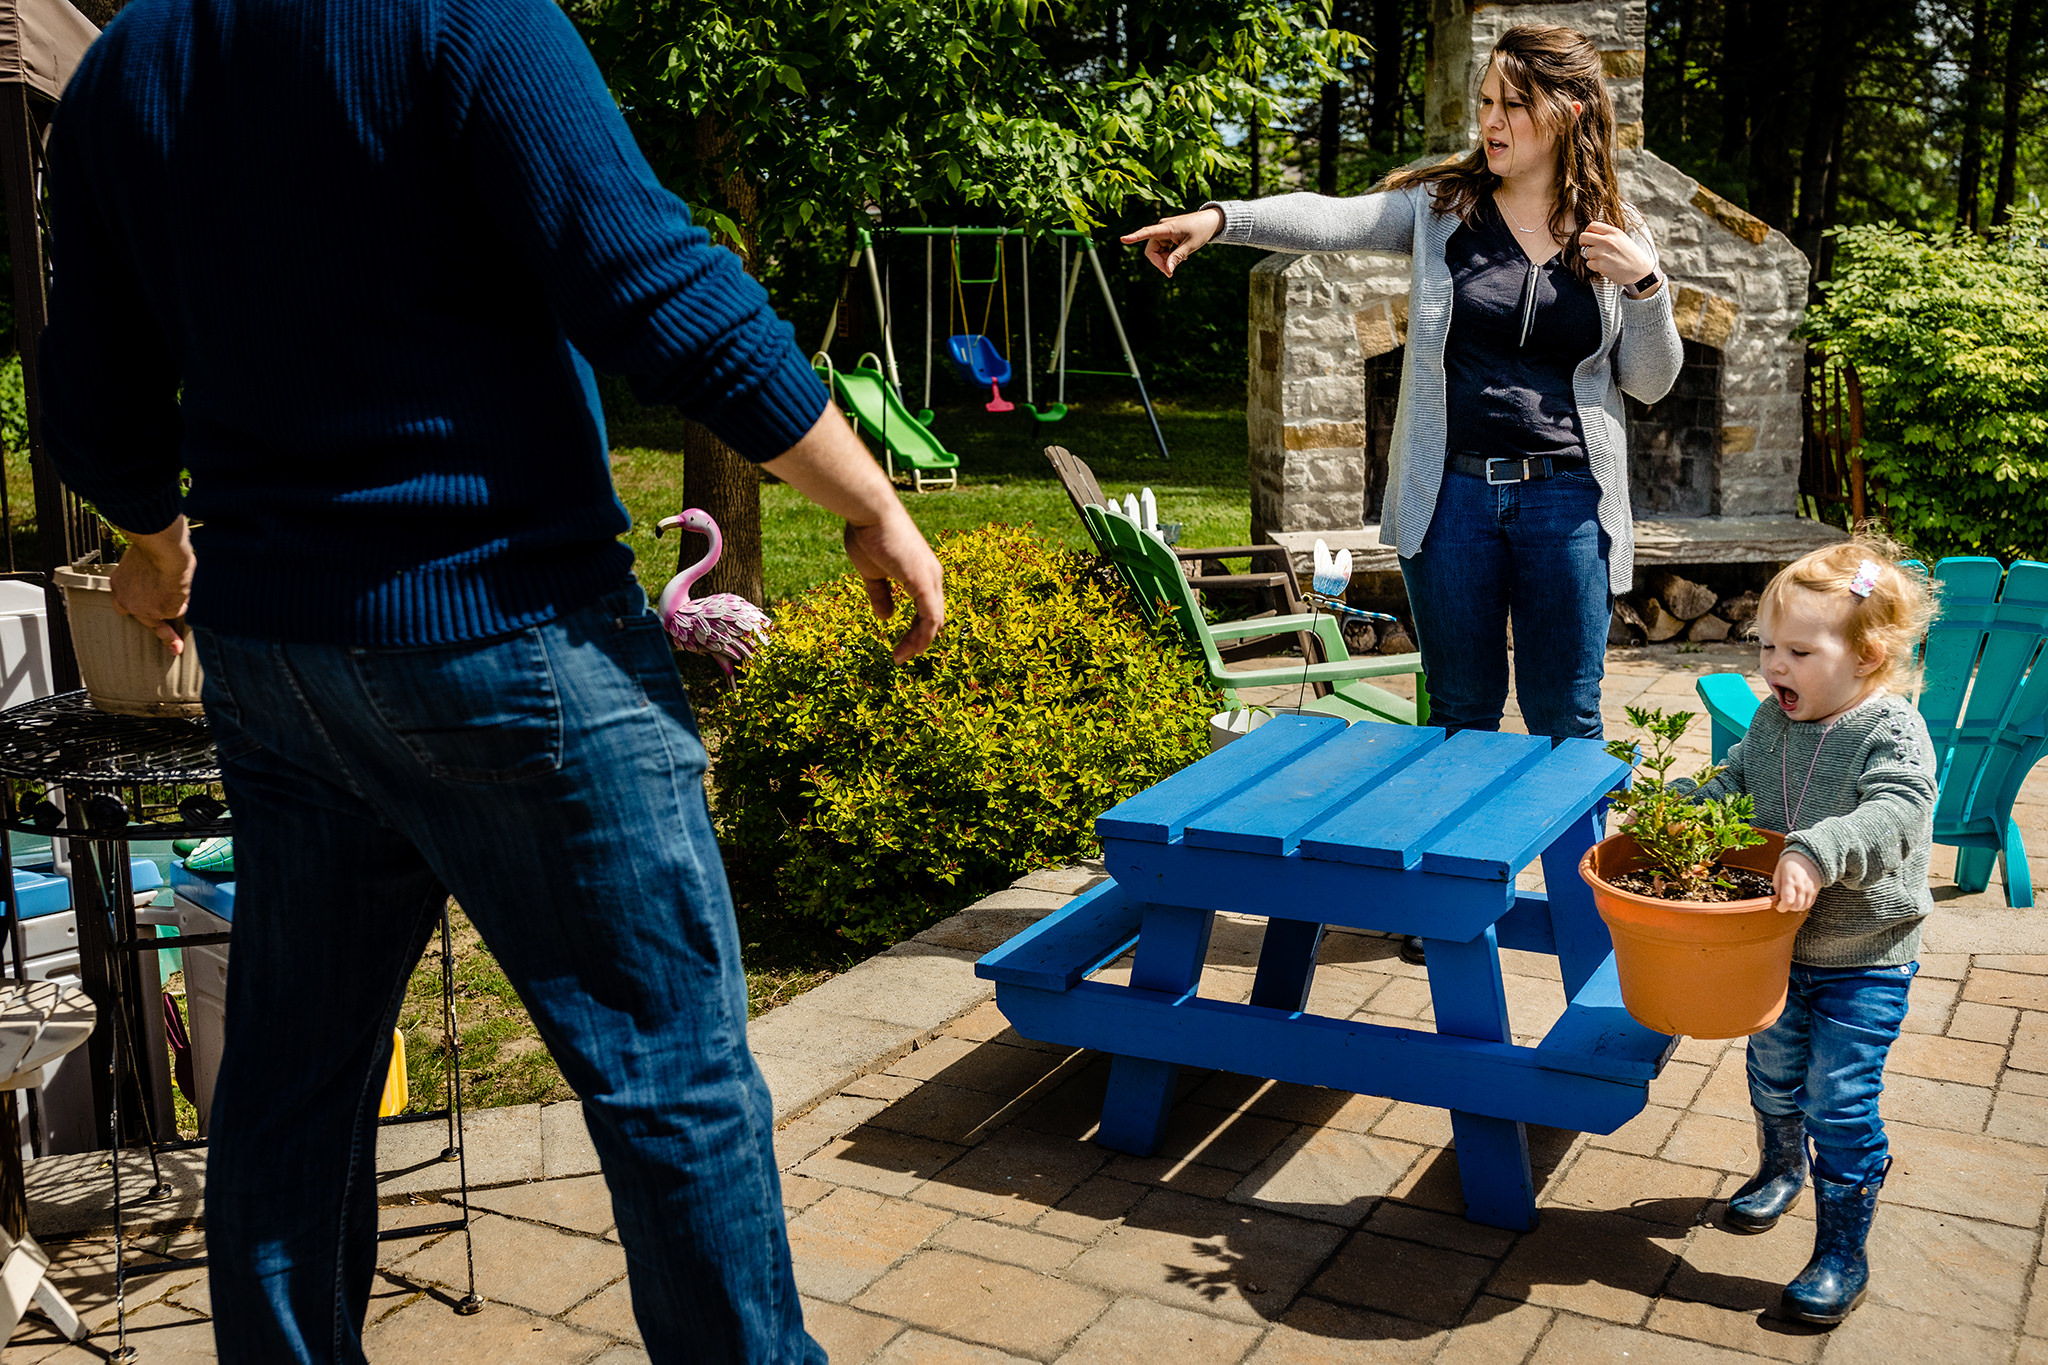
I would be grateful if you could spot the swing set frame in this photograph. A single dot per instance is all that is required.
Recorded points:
(1059, 369)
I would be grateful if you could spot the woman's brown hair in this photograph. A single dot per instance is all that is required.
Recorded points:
(1550, 66)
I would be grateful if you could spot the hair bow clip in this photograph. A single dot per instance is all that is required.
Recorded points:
(1865, 579)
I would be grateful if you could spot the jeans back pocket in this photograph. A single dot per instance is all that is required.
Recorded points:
(479, 711)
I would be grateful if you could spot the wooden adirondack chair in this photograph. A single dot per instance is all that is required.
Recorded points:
(1985, 702)
(1160, 586)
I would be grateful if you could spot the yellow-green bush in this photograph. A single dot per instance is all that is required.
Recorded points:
(874, 798)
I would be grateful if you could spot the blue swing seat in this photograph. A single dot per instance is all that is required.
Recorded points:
(978, 360)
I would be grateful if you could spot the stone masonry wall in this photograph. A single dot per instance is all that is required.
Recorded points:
(1738, 286)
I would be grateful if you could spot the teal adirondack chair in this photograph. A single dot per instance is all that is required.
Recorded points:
(1985, 702)
(1154, 575)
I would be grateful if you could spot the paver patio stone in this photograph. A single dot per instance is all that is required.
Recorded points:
(876, 1159)
(1878, 1334)
(161, 1333)
(2029, 964)
(997, 1305)
(426, 1333)
(1096, 1205)
(1396, 1218)
(1209, 1256)
(993, 1241)
(1950, 966)
(1290, 1103)
(1181, 1176)
(1742, 1272)
(609, 1311)
(2019, 1116)
(1957, 1269)
(1330, 1176)
(1415, 1123)
(1577, 1341)
(1726, 1090)
(1604, 1265)
(522, 1264)
(1318, 1333)
(1946, 1059)
(1936, 1104)
(1644, 1134)
(1712, 1141)
(941, 1112)
(847, 1334)
(879, 1085)
(1751, 1331)
(804, 1135)
(565, 1145)
(1969, 1174)
(1495, 1332)
(922, 1348)
(1235, 1141)
(1139, 1329)
(1675, 1087)
(931, 1057)
(998, 1068)
(2017, 1082)
(1930, 1001)
(2016, 990)
(623, 1355)
(1404, 998)
(500, 1146)
(1406, 1279)
(1983, 1023)
(2029, 1051)
(1656, 1191)
(582, 1203)
(1015, 1175)
(848, 1240)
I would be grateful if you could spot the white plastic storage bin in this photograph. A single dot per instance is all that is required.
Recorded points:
(24, 643)
(205, 904)
(51, 930)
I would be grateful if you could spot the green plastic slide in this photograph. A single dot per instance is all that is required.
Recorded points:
(881, 415)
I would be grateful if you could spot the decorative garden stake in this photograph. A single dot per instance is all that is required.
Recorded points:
(724, 626)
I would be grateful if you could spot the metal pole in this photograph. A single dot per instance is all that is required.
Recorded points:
(1117, 322)
(1059, 344)
(832, 319)
(1024, 250)
(882, 313)
(927, 404)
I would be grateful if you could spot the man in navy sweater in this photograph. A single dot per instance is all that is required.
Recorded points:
(349, 263)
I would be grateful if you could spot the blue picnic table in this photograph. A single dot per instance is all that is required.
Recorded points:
(1310, 823)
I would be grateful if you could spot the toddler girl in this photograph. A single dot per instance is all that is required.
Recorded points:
(1837, 757)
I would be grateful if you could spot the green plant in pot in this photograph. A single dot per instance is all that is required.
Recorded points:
(1685, 890)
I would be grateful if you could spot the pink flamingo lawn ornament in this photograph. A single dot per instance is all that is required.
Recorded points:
(724, 625)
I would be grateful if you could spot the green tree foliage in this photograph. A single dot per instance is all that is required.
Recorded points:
(874, 798)
(1950, 338)
(824, 109)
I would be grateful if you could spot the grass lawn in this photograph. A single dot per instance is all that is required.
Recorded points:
(1003, 478)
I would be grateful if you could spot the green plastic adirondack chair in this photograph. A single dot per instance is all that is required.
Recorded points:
(1157, 583)
(1985, 702)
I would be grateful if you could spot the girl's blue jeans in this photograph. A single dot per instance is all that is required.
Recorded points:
(1533, 551)
(553, 781)
(1824, 1058)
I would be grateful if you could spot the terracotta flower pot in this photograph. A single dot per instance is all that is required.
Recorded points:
(126, 669)
(1689, 967)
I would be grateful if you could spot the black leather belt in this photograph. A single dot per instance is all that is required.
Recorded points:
(1497, 470)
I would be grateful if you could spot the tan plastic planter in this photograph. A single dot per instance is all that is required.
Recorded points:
(127, 670)
(1706, 971)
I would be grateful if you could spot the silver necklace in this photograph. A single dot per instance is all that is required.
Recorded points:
(1785, 775)
(1503, 204)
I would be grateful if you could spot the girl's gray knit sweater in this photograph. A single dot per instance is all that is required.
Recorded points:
(1866, 819)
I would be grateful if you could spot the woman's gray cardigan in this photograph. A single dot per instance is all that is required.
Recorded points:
(1639, 349)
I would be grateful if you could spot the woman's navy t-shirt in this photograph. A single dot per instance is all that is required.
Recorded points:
(1508, 370)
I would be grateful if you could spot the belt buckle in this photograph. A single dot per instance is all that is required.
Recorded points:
(1522, 464)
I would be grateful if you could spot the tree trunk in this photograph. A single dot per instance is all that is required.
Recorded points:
(1683, 56)
(1827, 107)
(1773, 172)
(2018, 38)
(1329, 137)
(1732, 76)
(1389, 73)
(1971, 162)
(1255, 137)
(715, 476)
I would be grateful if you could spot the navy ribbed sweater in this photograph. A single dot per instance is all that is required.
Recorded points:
(342, 261)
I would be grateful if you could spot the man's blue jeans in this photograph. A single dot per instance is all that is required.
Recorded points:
(1824, 1057)
(1533, 551)
(553, 781)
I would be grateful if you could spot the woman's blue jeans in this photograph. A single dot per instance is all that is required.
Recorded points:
(1533, 551)
(553, 781)
(1824, 1057)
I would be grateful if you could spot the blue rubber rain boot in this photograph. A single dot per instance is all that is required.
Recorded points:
(1838, 1276)
(1780, 1174)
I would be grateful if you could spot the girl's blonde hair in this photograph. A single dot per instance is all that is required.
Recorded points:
(1893, 618)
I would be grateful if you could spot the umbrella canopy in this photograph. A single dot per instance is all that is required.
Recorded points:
(41, 42)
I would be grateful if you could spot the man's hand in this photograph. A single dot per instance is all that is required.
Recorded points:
(1170, 241)
(834, 470)
(153, 581)
(1797, 882)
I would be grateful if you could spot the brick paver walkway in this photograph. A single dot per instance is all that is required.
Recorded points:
(950, 1207)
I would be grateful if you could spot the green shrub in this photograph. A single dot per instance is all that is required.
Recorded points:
(875, 798)
(13, 407)
(1950, 339)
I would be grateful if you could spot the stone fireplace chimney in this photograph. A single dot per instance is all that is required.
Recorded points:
(1714, 466)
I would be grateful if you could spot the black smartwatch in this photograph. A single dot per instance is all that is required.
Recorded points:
(1643, 284)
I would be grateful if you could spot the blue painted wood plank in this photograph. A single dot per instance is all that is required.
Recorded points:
(1581, 936)
(1526, 926)
(1389, 825)
(1493, 1171)
(1094, 928)
(1465, 989)
(1503, 1080)
(1269, 816)
(1381, 899)
(1172, 945)
(1137, 1104)
(1287, 964)
(1158, 814)
(1597, 1032)
(1503, 836)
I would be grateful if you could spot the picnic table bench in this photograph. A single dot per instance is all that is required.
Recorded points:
(1309, 823)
